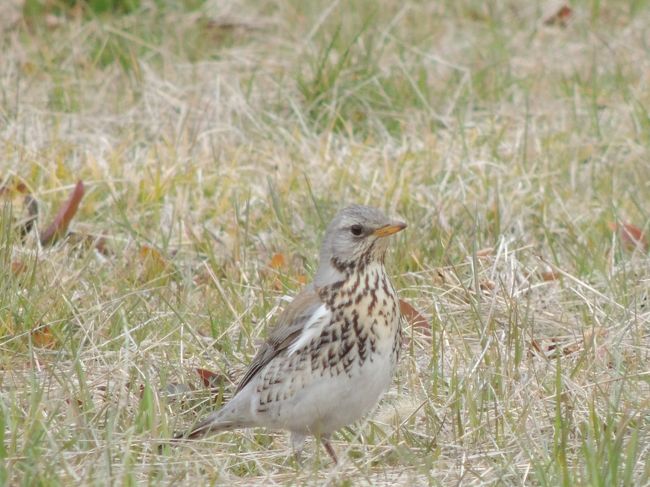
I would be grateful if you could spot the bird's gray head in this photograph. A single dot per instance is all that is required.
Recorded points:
(354, 238)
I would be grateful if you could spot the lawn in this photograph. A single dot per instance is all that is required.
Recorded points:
(216, 139)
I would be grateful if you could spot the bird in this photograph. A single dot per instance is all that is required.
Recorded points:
(334, 349)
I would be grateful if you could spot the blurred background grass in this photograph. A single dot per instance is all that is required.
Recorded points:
(216, 139)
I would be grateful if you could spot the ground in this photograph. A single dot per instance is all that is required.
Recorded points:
(216, 139)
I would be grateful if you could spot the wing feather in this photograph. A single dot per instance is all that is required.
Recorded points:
(297, 318)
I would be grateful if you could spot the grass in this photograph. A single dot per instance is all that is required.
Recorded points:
(212, 137)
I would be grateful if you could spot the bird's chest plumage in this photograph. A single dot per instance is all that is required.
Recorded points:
(364, 327)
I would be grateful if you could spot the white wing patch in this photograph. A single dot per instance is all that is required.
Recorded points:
(312, 328)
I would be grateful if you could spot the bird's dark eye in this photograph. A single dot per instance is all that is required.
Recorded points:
(356, 230)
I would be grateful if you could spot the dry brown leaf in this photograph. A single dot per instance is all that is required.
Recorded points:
(561, 16)
(549, 276)
(211, 380)
(414, 318)
(59, 225)
(631, 236)
(18, 267)
(277, 261)
(43, 337)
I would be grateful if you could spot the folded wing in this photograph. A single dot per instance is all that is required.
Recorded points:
(300, 322)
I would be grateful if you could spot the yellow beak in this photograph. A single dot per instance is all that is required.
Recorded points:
(389, 229)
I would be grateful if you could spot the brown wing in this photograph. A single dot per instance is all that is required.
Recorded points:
(288, 328)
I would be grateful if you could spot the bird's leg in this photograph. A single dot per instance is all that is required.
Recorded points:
(298, 445)
(325, 440)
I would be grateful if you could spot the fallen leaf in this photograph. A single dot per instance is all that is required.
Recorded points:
(43, 337)
(560, 17)
(59, 225)
(631, 236)
(414, 317)
(211, 380)
(278, 260)
(549, 276)
(18, 267)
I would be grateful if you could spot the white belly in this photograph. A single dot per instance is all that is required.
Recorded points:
(324, 404)
(341, 400)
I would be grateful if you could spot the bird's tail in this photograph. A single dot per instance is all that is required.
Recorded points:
(210, 425)
(228, 418)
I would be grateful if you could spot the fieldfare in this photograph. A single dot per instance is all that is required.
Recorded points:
(335, 347)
